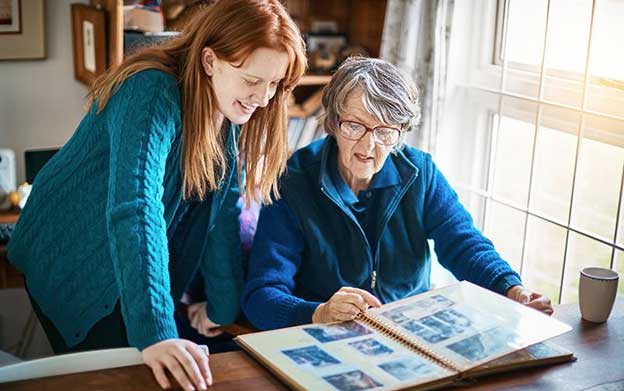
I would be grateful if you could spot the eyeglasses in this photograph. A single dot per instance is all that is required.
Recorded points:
(383, 135)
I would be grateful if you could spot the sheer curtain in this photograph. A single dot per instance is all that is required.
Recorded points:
(416, 38)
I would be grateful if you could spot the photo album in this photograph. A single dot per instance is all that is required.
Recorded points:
(430, 340)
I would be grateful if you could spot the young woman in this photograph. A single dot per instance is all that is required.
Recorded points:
(145, 191)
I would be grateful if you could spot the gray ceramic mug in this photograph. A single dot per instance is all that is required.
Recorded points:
(597, 291)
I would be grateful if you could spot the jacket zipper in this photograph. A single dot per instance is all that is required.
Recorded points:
(374, 258)
(368, 247)
(391, 210)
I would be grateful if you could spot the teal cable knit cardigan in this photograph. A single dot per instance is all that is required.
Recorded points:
(99, 223)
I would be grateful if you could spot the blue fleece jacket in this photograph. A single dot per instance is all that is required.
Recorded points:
(309, 244)
(106, 222)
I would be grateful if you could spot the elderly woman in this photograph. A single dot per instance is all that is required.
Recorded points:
(357, 208)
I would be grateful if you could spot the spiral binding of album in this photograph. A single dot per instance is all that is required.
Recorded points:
(390, 331)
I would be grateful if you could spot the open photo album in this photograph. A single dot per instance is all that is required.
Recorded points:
(426, 341)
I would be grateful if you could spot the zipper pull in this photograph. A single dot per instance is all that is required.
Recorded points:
(373, 279)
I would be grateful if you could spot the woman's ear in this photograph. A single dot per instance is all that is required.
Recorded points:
(208, 58)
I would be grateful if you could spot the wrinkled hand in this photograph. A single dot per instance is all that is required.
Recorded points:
(345, 304)
(530, 299)
(186, 361)
(200, 321)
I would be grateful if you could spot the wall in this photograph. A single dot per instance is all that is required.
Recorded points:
(40, 102)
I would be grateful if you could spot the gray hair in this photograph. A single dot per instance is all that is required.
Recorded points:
(387, 94)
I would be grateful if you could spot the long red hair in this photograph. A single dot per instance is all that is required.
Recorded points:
(233, 29)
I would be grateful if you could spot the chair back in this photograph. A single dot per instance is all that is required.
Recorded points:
(66, 364)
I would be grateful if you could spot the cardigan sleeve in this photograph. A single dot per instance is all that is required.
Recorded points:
(460, 246)
(268, 300)
(221, 260)
(142, 118)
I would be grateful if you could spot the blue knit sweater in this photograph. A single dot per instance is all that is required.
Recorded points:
(106, 222)
(309, 244)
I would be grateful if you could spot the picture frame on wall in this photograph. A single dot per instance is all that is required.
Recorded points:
(89, 40)
(22, 29)
(331, 41)
(10, 17)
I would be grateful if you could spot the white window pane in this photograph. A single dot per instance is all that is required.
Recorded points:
(607, 56)
(465, 138)
(619, 267)
(605, 98)
(525, 41)
(566, 50)
(620, 234)
(563, 89)
(543, 259)
(475, 204)
(524, 46)
(598, 179)
(606, 91)
(514, 147)
(504, 226)
(553, 171)
(582, 252)
(568, 35)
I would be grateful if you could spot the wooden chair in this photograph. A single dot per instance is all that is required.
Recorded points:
(8, 359)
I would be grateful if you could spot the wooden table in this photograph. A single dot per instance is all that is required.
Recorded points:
(599, 348)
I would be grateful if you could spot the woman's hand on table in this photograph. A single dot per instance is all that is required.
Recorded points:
(530, 299)
(185, 360)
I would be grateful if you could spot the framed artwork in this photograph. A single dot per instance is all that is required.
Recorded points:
(10, 17)
(22, 29)
(89, 38)
(330, 41)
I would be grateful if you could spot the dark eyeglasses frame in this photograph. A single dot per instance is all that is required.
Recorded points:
(368, 129)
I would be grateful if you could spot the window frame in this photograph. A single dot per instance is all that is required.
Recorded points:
(488, 72)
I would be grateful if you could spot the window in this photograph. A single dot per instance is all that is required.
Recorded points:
(536, 143)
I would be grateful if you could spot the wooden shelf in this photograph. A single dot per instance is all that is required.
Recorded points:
(115, 29)
(9, 216)
(314, 80)
(295, 110)
(308, 107)
(361, 21)
(10, 277)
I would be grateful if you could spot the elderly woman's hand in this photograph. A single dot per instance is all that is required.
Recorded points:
(345, 304)
(530, 299)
